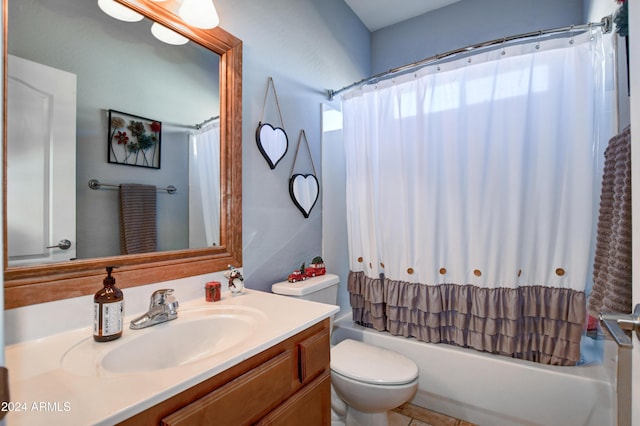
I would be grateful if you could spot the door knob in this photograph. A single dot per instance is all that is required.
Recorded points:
(616, 324)
(63, 244)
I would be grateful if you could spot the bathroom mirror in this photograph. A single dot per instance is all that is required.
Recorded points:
(174, 87)
(26, 285)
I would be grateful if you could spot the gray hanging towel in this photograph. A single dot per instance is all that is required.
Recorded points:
(138, 233)
(612, 262)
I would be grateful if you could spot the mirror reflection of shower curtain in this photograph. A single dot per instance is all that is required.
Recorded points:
(204, 186)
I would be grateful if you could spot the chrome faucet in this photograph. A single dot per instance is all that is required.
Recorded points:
(160, 310)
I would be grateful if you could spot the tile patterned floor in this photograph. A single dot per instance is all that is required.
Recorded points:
(412, 415)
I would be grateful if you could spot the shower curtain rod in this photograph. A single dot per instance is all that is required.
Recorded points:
(208, 120)
(190, 126)
(604, 24)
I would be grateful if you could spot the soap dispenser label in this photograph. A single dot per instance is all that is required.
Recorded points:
(110, 318)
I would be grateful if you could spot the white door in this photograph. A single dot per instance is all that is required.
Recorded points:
(41, 158)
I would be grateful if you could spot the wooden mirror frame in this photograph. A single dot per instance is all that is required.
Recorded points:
(27, 285)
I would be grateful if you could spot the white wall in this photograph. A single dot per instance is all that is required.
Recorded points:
(334, 226)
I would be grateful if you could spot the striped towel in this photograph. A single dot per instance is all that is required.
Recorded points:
(612, 264)
(138, 233)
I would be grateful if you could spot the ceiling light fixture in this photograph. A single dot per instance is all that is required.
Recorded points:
(166, 35)
(118, 11)
(199, 13)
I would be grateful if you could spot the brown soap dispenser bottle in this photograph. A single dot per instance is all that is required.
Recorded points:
(108, 310)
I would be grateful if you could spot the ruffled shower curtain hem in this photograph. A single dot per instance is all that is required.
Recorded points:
(534, 323)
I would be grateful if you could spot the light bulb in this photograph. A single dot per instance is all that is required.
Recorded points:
(166, 35)
(118, 11)
(199, 13)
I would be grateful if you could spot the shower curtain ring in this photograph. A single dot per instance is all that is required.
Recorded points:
(538, 41)
(503, 41)
(571, 32)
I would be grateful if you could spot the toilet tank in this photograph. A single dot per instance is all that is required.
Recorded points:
(323, 289)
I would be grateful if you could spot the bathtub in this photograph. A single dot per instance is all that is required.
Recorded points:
(492, 390)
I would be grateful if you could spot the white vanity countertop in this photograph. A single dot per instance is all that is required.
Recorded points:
(44, 393)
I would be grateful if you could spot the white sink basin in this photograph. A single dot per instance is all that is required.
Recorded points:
(195, 335)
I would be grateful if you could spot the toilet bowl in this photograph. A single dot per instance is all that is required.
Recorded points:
(366, 380)
(371, 381)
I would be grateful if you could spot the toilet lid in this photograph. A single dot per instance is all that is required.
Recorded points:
(372, 364)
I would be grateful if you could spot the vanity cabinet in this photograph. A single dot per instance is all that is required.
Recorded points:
(287, 384)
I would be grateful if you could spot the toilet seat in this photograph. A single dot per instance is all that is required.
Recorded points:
(372, 364)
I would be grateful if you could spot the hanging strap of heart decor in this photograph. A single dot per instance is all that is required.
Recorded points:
(272, 141)
(304, 188)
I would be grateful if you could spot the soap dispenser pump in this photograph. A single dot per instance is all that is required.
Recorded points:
(108, 310)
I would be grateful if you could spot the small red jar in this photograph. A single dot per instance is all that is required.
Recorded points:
(212, 291)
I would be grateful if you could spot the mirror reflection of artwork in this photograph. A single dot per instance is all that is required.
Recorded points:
(133, 140)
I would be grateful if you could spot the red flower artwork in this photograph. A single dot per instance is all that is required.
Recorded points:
(121, 137)
(133, 140)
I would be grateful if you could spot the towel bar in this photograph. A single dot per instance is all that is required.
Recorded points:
(96, 184)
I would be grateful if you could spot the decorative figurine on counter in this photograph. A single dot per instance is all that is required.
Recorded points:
(316, 268)
(297, 275)
(236, 280)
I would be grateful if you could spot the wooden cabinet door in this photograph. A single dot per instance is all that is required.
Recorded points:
(314, 355)
(310, 406)
(242, 401)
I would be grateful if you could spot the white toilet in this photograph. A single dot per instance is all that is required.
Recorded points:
(366, 380)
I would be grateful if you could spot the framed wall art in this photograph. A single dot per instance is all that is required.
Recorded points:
(133, 140)
(273, 142)
(304, 188)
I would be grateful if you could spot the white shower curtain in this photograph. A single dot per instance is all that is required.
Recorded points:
(472, 192)
(204, 186)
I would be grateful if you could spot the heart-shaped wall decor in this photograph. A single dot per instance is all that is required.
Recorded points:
(304, 190)
(272, 143)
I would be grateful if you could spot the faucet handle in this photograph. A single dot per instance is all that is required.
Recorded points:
(159, 297)
(172, 308)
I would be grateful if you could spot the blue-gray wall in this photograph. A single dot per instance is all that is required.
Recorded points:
(307, 46)
(464, 23)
